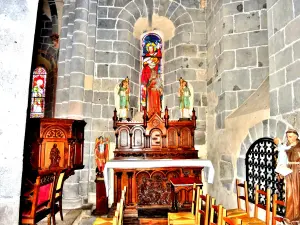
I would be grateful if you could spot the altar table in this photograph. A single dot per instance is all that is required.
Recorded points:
(155, 163)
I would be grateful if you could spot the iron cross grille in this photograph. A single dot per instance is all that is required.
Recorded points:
(260, 162)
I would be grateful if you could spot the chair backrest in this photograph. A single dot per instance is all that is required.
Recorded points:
(117, 212)
(41, 194)
(230, 221)
(194, 200)
(120, 220)
(215, 210)
(274, 213)
(266, 207)
(242, 197)
(59, 184)
(203, 212)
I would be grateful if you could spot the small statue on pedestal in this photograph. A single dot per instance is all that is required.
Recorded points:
(186, 97)
(101, 153)
(101, 157)
(122, 92)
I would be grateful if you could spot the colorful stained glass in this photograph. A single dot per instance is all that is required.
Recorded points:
(151, 58)
(38, 92)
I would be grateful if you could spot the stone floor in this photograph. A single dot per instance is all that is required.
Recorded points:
(84, 217)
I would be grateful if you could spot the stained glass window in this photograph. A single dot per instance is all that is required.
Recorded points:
(151, 59)
(38, 93)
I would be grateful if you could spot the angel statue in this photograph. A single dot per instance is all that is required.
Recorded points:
(122, 91)
(186, 97)
(101, 153)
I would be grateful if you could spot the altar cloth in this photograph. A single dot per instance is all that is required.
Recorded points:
(156, 163)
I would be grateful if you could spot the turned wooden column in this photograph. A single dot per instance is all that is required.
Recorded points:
(119, 188)
(129, 174)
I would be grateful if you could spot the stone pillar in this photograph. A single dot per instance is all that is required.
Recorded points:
(76, 188)
(284, 49)
(17, 38)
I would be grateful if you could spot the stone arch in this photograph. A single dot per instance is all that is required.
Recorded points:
(178, 14)
(267, 128)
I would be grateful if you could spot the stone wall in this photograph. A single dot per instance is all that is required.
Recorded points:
(237, 66)
(17, 36)
(284, 48)
(237, 52)
(73, 87)
(99, 50)
(185, 56)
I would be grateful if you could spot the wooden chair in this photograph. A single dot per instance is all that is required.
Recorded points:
(215, 210)
(191, 214)
(238, 212)
(58, 195)
(230, 221)
(118, 217)
(109, 221)
(37, 202)
(274, 212)
(200, 213)
(255, 220)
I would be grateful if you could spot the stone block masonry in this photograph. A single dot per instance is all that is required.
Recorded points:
(284, 39)
(237, 52)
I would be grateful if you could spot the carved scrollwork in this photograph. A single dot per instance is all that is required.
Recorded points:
(55, 133)
(155, 190)
(47, 179)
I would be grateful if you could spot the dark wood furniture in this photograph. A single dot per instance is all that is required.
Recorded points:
(184, 184)
(36, 200)
(101, 198)
(51, 146)
(153, 138)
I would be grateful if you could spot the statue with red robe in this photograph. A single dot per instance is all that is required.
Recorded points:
(101, 153)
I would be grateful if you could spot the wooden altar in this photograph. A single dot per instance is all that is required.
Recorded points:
(153, 139)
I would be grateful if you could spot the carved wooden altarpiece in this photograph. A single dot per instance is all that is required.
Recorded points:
(153, 138)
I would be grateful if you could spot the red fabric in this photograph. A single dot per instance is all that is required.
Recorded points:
(44, 193)
(146, 72)
(185, 180)
(153, 99)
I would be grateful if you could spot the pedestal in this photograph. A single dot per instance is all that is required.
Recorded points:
(101, 199)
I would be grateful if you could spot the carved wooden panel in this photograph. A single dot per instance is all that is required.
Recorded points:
(54, 133)
(124, 138)
(172, 138)
(151, 186)
(137, 138)
(154, 188)
(185, 137)
(156, 139)
(50, 144)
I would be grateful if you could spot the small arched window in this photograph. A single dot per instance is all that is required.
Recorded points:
(261, 159)
(38, 92)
